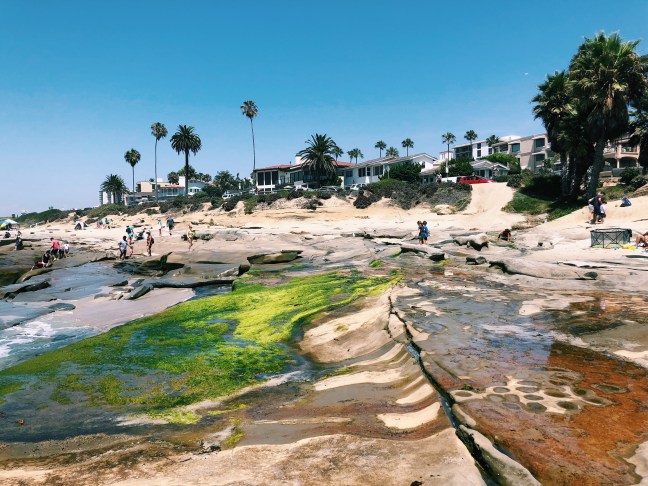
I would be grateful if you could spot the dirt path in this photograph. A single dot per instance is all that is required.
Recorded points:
(489, 198)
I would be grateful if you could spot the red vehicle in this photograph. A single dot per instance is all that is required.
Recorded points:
(474, 180)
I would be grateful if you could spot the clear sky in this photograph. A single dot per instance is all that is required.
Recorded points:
(81, 81)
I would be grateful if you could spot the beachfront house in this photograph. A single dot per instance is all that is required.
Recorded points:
(145, 191)
(274, 177)
(531, 150)
(375, 169)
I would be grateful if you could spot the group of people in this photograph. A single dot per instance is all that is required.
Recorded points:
(128, 242)
(55, 252)
(423, 232)
(597, 210)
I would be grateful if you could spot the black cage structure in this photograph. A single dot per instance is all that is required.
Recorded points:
(611, 236)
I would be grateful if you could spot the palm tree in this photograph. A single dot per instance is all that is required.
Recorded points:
(492, 140)
(448, 138)
(408, 143)
(318, 155)
(132, 157)
(607, 75)
(470, 135)
(553, 107)
(380, 145)
(185, 140)
(337, 152)
(251, 110)
(391, 152)
(115, 186)
(358, 153)
(159, 131)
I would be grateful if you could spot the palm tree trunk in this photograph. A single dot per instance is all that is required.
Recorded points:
(597, 166)
(156, 188)
(253, 146)
(186, 172)
(133, 167)
(380, 156)
(565, 175)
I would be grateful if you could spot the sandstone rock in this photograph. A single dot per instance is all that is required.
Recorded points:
(506, 469)
(139, 292)
(62, 306)
(280, 257)
(442, 209)
(10, 291)
(477, 242)
(432, 253)
(541, 270)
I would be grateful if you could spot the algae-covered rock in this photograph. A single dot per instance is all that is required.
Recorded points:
(430, 252)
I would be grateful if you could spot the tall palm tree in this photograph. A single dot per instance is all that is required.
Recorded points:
(318, 155)
(492, 140)
(337, 152)
(607, 75)
(186, 140)
(471, 136)
(380, 145)
(358, 153)
(553, 107)
(132, 157)
(448, 138)
(391, 152)
(159, 131)
(251, 110)
(115, 186)
(408, 143)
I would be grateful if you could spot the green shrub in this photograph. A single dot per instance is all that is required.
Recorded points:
(387, 187)
(637, 182)
(545, 185)
(502, 178)
(628, 174)
(294, 195)
(514, 180)
(407, 170)
(365, 199)
(44, 216)
(250, 205)
(230, 203)
(312, 203)
(324, 195)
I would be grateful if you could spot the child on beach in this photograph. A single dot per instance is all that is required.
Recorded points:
(426, 232)
(419, 225)
(191, 235)
(149, 242)
(505, 235)
(160, 226)
(122, 245)
(66, 249)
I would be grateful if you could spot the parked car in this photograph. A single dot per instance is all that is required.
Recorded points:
(357, 187)
(329, 188)
(474, 180)
(229, 195)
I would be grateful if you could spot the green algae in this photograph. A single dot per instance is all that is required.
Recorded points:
(377, 263)
(194, 351)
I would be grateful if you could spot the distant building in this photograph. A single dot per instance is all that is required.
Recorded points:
(145, 191)
(372, 170)
(620, 154)
(270, 178)
(531, 150)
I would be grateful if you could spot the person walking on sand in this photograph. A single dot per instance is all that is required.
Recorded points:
(123, 245)
(160, 226)
(191, 234)
(426, 232)
(170, 224)
(149, 243)
(56, 248)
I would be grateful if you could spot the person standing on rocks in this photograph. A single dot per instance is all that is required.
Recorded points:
(56, 248)
(191, 235)
(149, 243)
(123, 245)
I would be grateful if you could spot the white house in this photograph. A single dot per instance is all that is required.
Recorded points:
(372, 170)
(273, 177)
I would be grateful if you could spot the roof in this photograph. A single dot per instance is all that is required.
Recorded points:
(487, 164)
(338, 163)
(391, 160)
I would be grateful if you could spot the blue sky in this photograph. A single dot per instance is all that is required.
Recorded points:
(81, 82)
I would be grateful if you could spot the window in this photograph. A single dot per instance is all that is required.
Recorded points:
(348, 173)
(362, 172)
(378, 170)
(268, 178)
(275, 176)
(490, 151)
(539, 143)
(479, 153)
(515, 147)
(479, 145)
